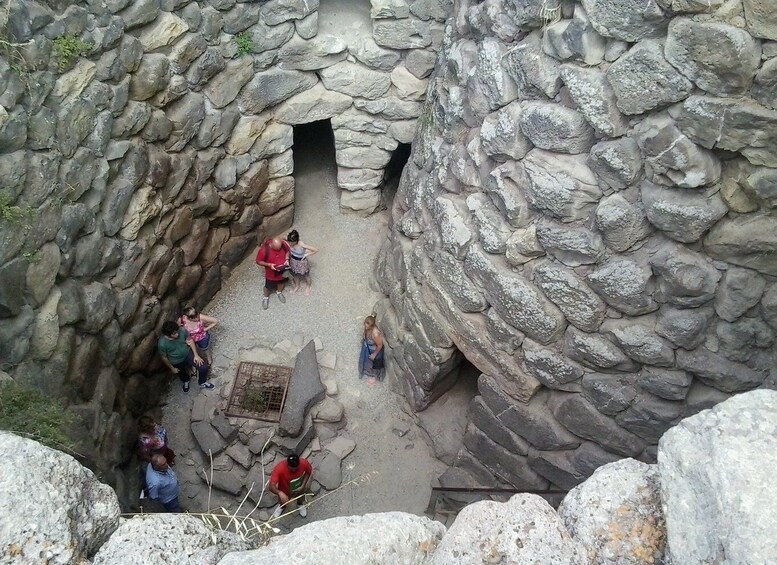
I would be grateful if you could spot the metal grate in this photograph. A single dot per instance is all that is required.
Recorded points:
(259, 391)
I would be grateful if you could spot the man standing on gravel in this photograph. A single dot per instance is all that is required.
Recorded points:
(290, 479)
(274, 257)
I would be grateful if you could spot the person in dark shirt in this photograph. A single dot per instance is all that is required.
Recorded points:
(179, 354)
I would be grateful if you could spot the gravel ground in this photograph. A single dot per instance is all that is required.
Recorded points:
(341, 298)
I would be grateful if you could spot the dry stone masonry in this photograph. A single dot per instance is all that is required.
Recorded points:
(146, 146)
(588, 217)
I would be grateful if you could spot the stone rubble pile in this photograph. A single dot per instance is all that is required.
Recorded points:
(244, 451)
(704, 502)
(588, 216)
(138, 172)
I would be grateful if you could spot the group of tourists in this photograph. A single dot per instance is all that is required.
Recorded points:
(289, 480)
(184, 348)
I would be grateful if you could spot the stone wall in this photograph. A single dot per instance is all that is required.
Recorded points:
(139, 171)
(588, 216)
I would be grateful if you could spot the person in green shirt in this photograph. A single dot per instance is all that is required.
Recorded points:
(179, 354)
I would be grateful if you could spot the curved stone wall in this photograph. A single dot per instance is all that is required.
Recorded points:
(139, 170)
(588, 217)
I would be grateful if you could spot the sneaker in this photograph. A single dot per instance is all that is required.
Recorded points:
(303, 512)
(281, 297)
(186, 386)
(265, 303)
(278, 512)
(207, 386)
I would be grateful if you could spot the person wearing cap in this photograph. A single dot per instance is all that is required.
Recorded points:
(290, 479)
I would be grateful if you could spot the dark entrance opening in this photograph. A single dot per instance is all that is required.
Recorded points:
(314, 158)
(393, 172)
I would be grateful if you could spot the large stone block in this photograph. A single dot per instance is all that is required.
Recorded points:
(552, 369)
(525, 529)
(734, 124)
(727, 69)
(617, 163)
(747, 240)
(616, 514)
(568, 468)
(685, 278)
(624, 285)
(516, 300)
(271, 87)
(317, 53)
(739, 290)
(305, 389)
(644, 80)
(316, 103)
(73, 512)
(580, 305)
(673, 159)
(384, 537)
(532, 421)
(561, 186)
(407, 33)
(556, 128)
(712, 469)
(595, 99)
(623, 224)
(627, 20)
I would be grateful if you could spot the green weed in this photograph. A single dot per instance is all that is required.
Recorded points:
(67, 48)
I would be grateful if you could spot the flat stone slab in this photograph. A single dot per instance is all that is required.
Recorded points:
(326, 466)
(228, 481)
(328, 410)
(240, 454)
(305, 389)
(341, 446)
(208, 438)
(224, 428)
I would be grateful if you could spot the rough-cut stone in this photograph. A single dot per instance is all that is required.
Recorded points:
(305, 389)
(685, 278)
(638, 340)
(665, 383)
(277, 12)
(556, 128)
(164, 31)
(595, 99)
(617, 163)
(616, 515)
(686, 328)
(535, 73)
(407, 33)
(712, 469)
(673, 159)
(748, 240)
(381, 538)
(517, 301)
(524, 529)
(493, 229)
(56, 508)
(318, 53)
(271, 87)
(500, 136)
(738, 291)
(761, 19)
(208, 438)
(622, 223)
(178, 538)
(609, 394)
(316, 103)
(726, 69)
(628, 20)
(717, 371)
(355, 80)
(623, 284)
(560, 185)
(569, 245)
(735, 124)
(580, 305)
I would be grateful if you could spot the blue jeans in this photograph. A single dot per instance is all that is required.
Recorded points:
(173, 505)
(186, 366)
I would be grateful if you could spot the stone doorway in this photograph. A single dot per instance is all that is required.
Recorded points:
(314, 155)
(393, 172)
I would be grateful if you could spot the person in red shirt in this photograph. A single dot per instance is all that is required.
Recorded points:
(290, 479)
(274, 257)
